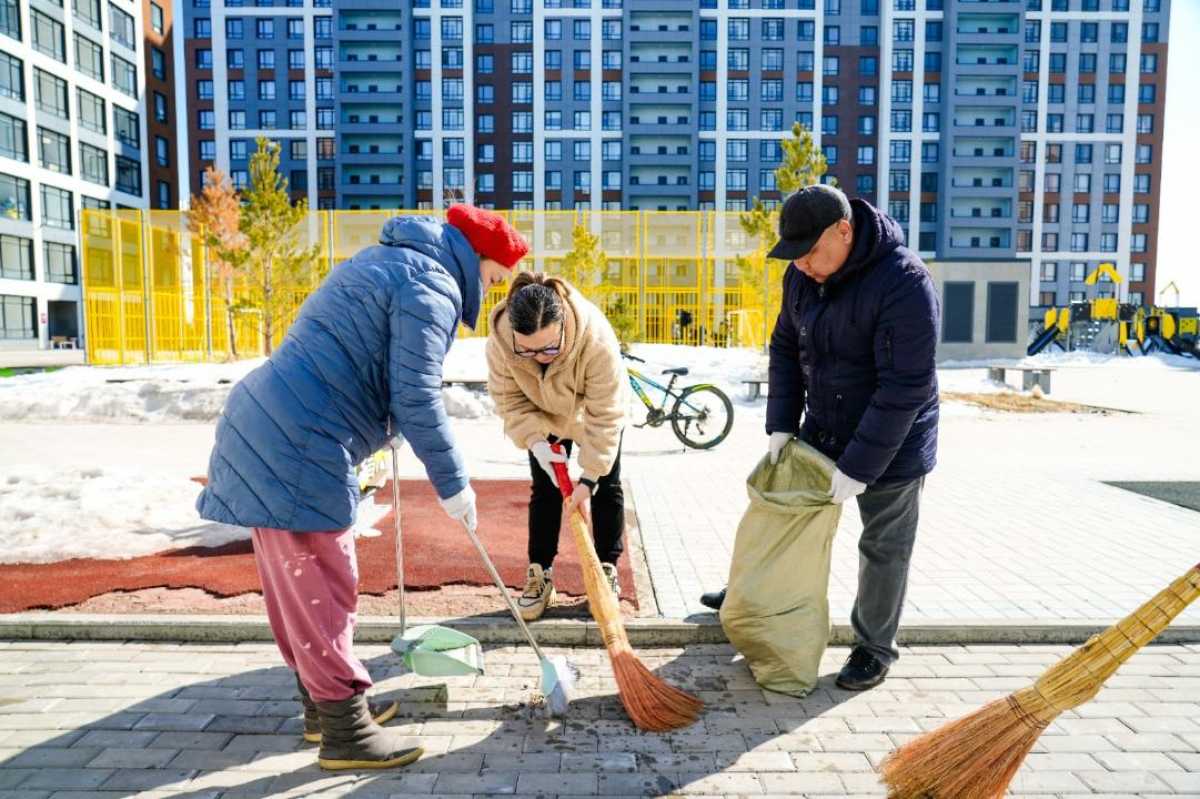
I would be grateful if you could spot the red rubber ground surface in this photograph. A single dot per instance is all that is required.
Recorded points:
(437, 552)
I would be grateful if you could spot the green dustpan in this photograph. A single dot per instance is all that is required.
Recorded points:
(429, 649)
(434, 651)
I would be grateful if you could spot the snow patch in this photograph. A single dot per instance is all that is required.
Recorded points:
(51, 515)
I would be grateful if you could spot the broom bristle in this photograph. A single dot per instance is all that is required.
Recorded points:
(651, 702)
(974, 757)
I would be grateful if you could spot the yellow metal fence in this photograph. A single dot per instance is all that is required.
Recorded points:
(152, 295)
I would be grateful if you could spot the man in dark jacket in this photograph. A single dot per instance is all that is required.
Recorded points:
(853, 354)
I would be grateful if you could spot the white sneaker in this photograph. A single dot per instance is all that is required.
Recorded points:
(610, 574)
(538, 593)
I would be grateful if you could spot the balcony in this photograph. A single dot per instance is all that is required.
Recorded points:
(367, 37)
(374, 60)
(380, 95)
(371, 189)
(983, 216)
(370, 154)
(990, 124)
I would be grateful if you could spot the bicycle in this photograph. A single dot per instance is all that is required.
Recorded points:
(703, 407)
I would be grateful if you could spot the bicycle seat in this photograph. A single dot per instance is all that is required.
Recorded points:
(678, 370)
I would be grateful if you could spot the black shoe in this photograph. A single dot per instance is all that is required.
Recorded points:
(713, 599)
(862, 671)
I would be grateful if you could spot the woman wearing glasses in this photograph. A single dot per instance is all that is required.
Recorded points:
(555, 374)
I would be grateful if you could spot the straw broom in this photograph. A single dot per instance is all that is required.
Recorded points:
(976, 757)
(651, 703)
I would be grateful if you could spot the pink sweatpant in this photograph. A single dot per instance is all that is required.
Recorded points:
(310, 584)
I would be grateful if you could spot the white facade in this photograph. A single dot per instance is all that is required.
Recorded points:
(41, 301)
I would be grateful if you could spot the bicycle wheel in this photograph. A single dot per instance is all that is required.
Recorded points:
(702, 417)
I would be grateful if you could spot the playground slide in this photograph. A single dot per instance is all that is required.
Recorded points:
(1043, 339)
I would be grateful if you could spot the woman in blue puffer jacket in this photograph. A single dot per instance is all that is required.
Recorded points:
(361, 363)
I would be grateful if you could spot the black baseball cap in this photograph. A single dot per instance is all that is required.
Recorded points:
(805, 216)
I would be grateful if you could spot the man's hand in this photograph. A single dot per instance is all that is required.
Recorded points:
(546, 457)
(776, 445)
(396, 443)
(461, 507)
(579, 502)
(842, 488)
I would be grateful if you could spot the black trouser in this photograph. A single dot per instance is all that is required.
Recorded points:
(545, 513)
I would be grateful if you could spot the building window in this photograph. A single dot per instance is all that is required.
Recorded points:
(958, 313)
(16, 254)
(60, 263)
(93, 164)
(160, 107)
(1002, 306)
(54, 151)
(57, 208)
(17, 318)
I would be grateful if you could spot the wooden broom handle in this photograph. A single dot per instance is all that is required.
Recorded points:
(608, 614)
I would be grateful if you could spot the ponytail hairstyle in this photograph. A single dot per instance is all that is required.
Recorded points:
(535, 300)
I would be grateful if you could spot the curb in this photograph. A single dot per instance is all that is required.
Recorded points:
(643, 632)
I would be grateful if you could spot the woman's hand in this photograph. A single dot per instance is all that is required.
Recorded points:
(579, 501)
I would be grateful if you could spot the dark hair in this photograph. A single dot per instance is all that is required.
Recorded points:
(534, 301)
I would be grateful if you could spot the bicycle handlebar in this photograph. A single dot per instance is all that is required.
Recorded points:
(632, 357)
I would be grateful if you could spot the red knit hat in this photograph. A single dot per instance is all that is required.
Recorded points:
(490, 235)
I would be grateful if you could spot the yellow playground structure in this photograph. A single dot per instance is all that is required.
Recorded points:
(1104, 324)
(153, 295)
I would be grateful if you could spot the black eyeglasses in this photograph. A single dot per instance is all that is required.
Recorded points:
(551, 351)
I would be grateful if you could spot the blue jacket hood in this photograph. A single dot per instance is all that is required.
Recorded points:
(449, 247)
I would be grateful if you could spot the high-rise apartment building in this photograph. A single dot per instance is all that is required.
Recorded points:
(73, 135)
(262, 70)
(990, 129)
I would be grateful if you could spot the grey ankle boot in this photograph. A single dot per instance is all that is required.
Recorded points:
(350, 739)
(381, 712)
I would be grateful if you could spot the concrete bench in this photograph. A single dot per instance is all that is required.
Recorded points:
(1030, 376)
(754, 388)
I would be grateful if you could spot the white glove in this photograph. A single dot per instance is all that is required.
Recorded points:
(842, 488)
(776, 445)
(547, 458)
(461, 507)
(397, 442)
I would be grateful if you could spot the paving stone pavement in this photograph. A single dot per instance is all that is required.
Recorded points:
(1016, 521)
(109, 720)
